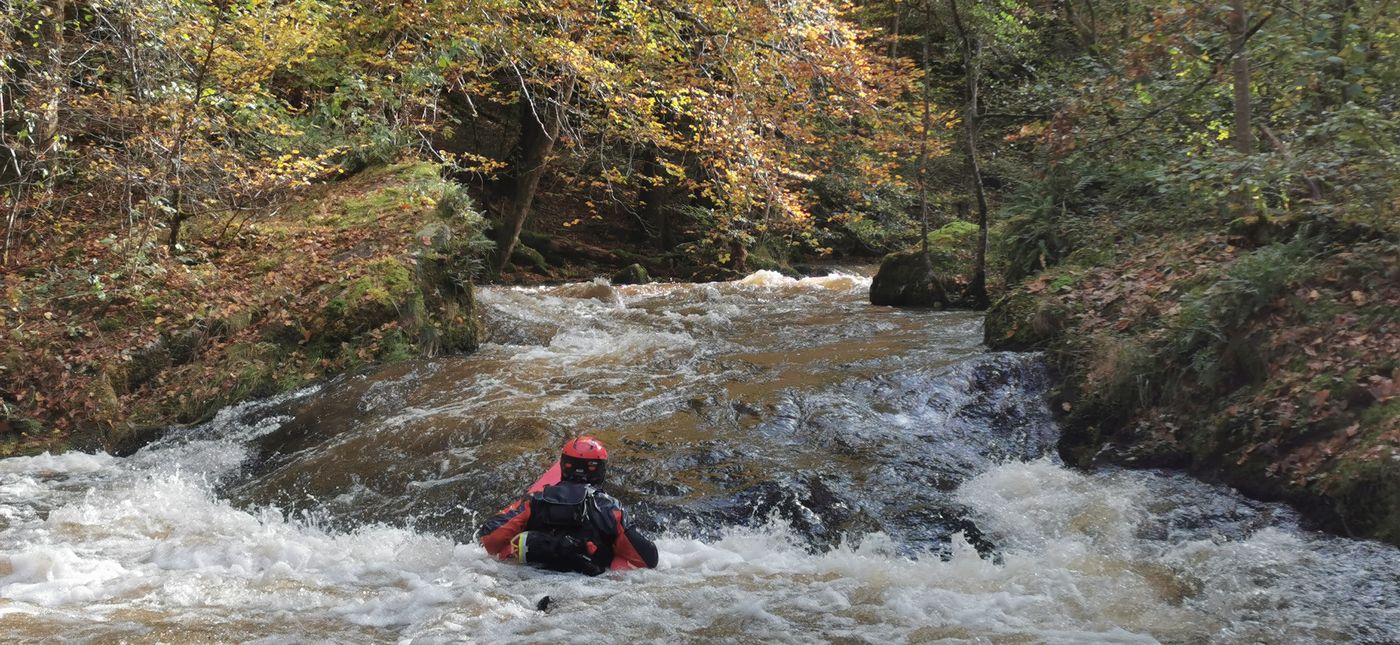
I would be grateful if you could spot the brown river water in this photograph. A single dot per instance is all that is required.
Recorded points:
(813, 468)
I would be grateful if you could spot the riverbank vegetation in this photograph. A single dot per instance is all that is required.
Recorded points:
(211, 200)
(1209, 252)
(206, 200)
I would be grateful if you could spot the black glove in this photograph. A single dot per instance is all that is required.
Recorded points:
(575, 552)
(559, 553)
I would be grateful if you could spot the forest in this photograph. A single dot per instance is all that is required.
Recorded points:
(1190, 207)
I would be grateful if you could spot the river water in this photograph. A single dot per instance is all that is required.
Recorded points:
(813, 468)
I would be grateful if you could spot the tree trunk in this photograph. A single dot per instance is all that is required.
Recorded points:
(175, 174)
(48, 141)
(1314, 189)
(972, 70)
(1093, 24)
(1073, 21)
(540, 123)
(654, 197)
(894, 33)
(1243, 136)
(1346, 13)
(923, 164)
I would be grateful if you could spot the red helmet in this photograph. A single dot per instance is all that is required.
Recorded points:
(584, 460)
(585, 448)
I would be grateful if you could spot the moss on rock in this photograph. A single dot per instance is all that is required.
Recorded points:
(385, 292)
(1021, 320)
(906, 280)
(526, 257)
(632, 274)
(1270, 368)
(373, 268)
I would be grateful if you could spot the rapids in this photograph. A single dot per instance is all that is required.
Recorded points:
(814, 468)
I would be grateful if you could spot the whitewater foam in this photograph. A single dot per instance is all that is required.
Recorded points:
(1070, 569)
(100, 548)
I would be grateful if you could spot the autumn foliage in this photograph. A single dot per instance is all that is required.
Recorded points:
(159, 153)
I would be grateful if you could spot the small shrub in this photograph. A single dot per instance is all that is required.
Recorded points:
(1033, 230)
(1122, 371)
(1211, 318)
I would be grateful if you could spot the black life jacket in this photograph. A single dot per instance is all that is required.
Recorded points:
(564, 520)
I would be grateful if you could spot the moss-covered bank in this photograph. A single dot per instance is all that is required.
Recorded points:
(1273, 368)
(370, 269)
(939, 279)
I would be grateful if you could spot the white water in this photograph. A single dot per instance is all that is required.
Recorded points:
(142, 549)
(135, 551)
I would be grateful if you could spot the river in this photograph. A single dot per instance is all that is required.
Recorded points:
(813, 468)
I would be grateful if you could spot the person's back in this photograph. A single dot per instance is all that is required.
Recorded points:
(572, 525)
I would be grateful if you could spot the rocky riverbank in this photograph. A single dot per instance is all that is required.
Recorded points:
(113, 338)
(1272, 367)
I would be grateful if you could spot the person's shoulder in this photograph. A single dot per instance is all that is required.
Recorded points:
(605, 500)
(563, 493)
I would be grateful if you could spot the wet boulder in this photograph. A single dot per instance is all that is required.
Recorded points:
(528, 258)
(906, 280)
(1022, 320)
(632, 274)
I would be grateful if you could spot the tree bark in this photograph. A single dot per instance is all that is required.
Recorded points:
(175, 175)
(540, 123)
(49, 142)
(40, 166)
(923, 164)
(1093, 24)
(1073, 21)
(972, 70)
(894, 33)
(1345, 13)
(1243, 135)
(654, 197)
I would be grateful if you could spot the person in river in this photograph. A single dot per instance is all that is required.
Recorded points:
(571, 525)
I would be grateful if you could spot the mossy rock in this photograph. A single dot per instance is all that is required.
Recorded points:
(770, 257)
(436, 236)
(632, 274)
(450, 322)
(532, 239)
(145, 364)
(905, 280)
(714, 273)
(382, 301)
(410, 186)
(1367, 500)
(525, 257)
(450, 326)
(385, 293)
(1021, 320)
(18, 425)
